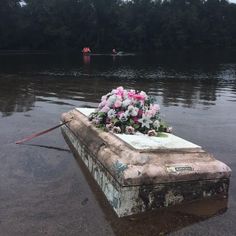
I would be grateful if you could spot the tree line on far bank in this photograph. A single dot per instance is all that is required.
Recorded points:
(131, 25)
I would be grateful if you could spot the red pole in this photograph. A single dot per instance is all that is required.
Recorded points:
(40, 133)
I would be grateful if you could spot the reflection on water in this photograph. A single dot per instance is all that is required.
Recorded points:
(19, 93)
(86, 59)
(157, 222)
(197, 94)
(168, 220)
(26, 79)
(15, 96)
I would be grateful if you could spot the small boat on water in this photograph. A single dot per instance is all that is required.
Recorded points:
(120, 53)
(139, 173)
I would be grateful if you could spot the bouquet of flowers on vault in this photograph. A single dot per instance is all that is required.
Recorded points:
(129, 111)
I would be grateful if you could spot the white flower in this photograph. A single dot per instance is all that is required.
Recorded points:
(133, 111)
(96, 121)
(127, 114)
(126, 102)
(144, 95)
(125, 94)
(111, 100)
(156, 124)
(123, 117)
(113, 91)
(111, 114)
(145, 121)
(169, 129)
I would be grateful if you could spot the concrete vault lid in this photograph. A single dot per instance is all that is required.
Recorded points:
(146, 143)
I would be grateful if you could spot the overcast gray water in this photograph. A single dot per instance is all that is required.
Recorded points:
(45, 191)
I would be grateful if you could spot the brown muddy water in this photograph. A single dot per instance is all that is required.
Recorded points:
(44, 190)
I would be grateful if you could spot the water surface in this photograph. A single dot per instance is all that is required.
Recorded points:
(45, 191)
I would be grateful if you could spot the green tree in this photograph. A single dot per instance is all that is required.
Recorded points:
(135, 25)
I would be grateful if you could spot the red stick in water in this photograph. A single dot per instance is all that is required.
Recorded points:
(40, 133)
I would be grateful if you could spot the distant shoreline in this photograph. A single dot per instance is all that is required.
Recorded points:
(3, 52)
(101, 52)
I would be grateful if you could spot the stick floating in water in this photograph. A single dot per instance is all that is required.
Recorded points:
(41, 133)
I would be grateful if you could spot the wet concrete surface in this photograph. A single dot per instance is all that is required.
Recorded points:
(44, 190)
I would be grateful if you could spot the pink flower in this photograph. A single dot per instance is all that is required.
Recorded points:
(102, 104)
(148, 113)
(119, 91)
(135, 119)
(129, 130)
(105, 109)
(118, 103)
(138, 97)
(104, 98)
(154, 107)
(152, 132)
(140, 112)
(131, 93)
(109, 127)
(116, 129)
(107, 104)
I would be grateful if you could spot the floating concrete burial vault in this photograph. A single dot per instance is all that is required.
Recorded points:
(138, 173)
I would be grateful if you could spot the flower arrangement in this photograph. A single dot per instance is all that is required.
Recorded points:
(129, 111)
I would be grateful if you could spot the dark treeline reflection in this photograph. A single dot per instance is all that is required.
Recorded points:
(15, 95)
(134, 25)
(175, 79)
(19, 94)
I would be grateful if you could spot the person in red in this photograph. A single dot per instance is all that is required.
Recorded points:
(86, 50)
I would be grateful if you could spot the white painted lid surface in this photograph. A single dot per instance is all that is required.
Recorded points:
(143, 142)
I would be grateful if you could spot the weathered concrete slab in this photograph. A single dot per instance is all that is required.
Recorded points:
(136, 175)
